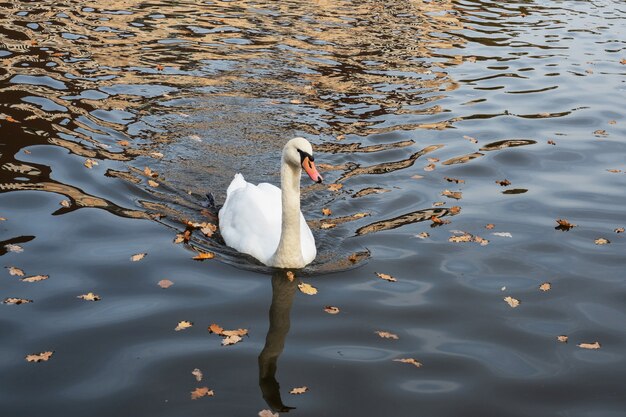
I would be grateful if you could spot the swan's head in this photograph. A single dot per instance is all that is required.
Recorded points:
(299, 152)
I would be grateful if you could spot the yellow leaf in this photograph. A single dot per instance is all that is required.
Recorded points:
(201, 392)
(327, 225)
(545, 286)
(150, 173)
(490, 226)
(15, 271)
(165, 283)
(89, 297)
(34, 278)
(89, 163)
(326, 212)
(331, 309)
(153, 184)
(594, 345)
(198, 374)
(513, 302)
(39, 357)
(386, 277)
(409, 360)
(298, 390)
(602, 241)
(386, 335)
(216, 328)
(203, 255)
(182, 325)
(562, 338)
(452, 194)
(138, 257)
(123, 142)
(335, 187)
(307, 288)
(462, 238)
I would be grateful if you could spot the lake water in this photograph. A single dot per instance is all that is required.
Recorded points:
(451, 134)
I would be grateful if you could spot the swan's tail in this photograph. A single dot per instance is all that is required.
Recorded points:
(236, 183)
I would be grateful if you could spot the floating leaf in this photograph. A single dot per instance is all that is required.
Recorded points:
(159, 67)
(267, 413)
(201, 392)
(409, 360)
(422, 235)
(123, 142)
(208, 229)
(546, 286)
(39, 357)
(614, 171)
(331, 309)
(601, 241)
(307, 288)
(454, 180)
(600, 132)
(466, 237)
(471, 139)
(89, 163)
(504, 182)
(563, 224)
(153, 184)
(34, 278)
(65, 203)
(138, 257)
(231, 340)
(290, 276)
(198, 374)
(298, 390)
(89, 297)
(14, 248)
(327, 226)
(15, 271)
(335, 187)
(165, 283)
(454, 210)
(386, 335)
(203, 255)
(16, 301)
(182, 325)
(490, 226)
(216, 328)
(150, 173)
(386, 277)
(429, 167)
(562, 338)
(619, 230)
(513, 302)
(417, 177)
(452, 194)
(594, 345)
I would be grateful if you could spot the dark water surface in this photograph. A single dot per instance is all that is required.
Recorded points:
(197, 91)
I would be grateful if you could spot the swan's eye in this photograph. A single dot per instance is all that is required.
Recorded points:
(304, 155)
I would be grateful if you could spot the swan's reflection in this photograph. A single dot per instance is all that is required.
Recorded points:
(283, 291)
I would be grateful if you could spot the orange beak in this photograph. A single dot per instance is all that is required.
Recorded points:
(310, 169)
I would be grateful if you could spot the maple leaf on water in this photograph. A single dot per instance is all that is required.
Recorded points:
(562, 338)
(546, 286)
(513, 302)
(307, 288)
(410, 361)
(298, 390)
(201, 392)
(138, 257)
(386, 277)
(429, 167)
(39, 357)
(326, 212)
(564, 225)
(89, 297)
(89, 163)
(184, 324)
(15, 271)
(216, 328)
(197, 373)
(386, 335)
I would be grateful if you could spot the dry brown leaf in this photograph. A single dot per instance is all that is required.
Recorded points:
(386, 335)
(481, 241)
(307, 288)
(236, 332)
(295, 101)
(216, 328)
(600, 132)
(551, 142)
(298, 390)
(159, 67)
(340, 137)
(461, 238)
(15, 271)
(150, 173)
(504, 182)
(16, 301)
(438, 203)
(203, 255)
(231, 340)
(123, 142)
(546, 286)
(422, 235)
(429, 167)
(471, 139)
(409, 360)
(34, 278)
(89, 163)
(198, 374)
(13, 248)
(562, 338)
(386, 277)
(201, 392)
(614, 171)
(334, 187)
(182, 325)
(65, 203)
(89, 297)
(208, 229)
(153, 184)
(513, 302)
(331, 309)
(327, 226)
(601, 241)
(452, 194)
(433, 160)
(39, 357)
(455, 180)
(290, 276)
(454, 210)
(138, 257)
(165, 283)
(564, 224)
(490, 226)
(619, 230)
(594, 345)
(612, 122)
(359, 215)
(326, 212)
(622, 61)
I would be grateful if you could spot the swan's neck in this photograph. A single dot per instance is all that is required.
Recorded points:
(289, 251)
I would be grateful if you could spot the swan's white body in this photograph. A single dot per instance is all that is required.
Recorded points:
(264, 221)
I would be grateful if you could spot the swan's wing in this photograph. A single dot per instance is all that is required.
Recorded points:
(250, 220)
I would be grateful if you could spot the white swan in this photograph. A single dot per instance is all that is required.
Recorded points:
(265, 222)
